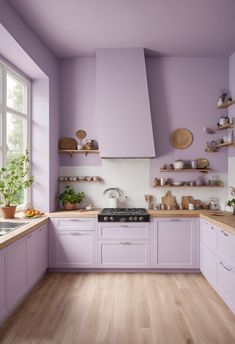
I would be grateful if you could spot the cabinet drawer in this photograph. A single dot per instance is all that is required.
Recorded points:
(208, 235)
(226, 283)
(117, 231)
(76, 223)
(226, 246)
(127, 254)
(208, 265)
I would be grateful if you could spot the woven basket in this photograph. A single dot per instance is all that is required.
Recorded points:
(67, 143)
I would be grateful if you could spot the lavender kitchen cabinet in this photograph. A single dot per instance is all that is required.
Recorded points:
(42, 245)
(226, 282)
(3, 308)
(208, 235)
(72, 243)
(36, 255)
(16, 281)
(208, 264)
(124, 245)
(175, 243)
(31, 258)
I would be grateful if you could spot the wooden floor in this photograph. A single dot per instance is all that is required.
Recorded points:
(121, 308)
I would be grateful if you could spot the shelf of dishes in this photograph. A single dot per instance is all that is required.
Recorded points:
(74, 151)
(198, 165)
(94, 179)
(200, 182)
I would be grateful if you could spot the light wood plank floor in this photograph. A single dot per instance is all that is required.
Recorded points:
(123, 308)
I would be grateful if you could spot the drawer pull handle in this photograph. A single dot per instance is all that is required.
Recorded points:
(175, 220)
(74, 220)
(224, 233)
(29, 236)
(77, 233)
(125, 243)
(225, 267)
(124, 226)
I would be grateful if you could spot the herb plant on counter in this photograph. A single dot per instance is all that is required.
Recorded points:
(14, 178)
(231, 202)
(70, 198)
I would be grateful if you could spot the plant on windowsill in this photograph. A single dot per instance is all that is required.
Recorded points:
(231, 202)
(70, 198)
(14, 178)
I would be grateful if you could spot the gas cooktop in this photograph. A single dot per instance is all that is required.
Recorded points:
(123, 215)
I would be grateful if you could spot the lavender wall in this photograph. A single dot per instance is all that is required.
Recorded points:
(47, 62)
(78, 105)
(183, 94)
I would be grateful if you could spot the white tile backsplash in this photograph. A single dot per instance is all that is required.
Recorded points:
(132, 176)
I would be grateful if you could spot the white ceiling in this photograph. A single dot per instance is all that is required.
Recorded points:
(73, 28)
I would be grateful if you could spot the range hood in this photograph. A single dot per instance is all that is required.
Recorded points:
(122, 104)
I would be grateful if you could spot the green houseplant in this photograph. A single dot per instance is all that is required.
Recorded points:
(14, 178)
(70, 198)
(231, 202)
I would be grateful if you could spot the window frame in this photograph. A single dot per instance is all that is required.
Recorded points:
(7, 68)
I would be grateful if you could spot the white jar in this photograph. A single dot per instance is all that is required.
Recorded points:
(190, 206)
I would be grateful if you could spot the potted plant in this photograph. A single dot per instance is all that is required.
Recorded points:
(70, 198)
(231, 202)
(14, 178)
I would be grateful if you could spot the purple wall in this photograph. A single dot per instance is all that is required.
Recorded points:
(232, 90)
(78, 105)
(47, 62)
(183, 93)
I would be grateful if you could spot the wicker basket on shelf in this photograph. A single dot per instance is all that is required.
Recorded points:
(67, 143)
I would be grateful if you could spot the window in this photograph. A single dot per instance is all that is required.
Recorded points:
(15, 94)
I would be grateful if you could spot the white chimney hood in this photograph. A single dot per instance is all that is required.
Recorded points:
(122, 104)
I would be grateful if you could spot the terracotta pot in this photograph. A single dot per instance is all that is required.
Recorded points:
(69, 206)
(9, 212)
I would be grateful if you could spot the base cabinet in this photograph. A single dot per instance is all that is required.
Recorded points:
(3, 307)
(72, 243)
(21, 265)
(217, 261)
(175, 242)
(226, 283)
(208, 264)
(16, 281)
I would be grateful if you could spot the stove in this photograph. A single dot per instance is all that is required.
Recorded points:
(123, 215)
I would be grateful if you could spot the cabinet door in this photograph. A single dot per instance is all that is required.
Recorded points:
(3, 308)
(226, 246)
(74, 249)
(226, 283)
(175, 243)
(208, 264)
(42, 250)
(124, 254)
(16, 285)
(32, 258)
(208, 235)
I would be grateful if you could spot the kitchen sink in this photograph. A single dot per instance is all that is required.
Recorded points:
(6, 227)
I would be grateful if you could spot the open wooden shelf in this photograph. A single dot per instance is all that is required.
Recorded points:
(226, 144)
(225, 105)
(225, 126)
(80, 181)
(188, 186)
(76, 151)
(204, 170)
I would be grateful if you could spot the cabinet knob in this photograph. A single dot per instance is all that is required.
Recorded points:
(224, 233)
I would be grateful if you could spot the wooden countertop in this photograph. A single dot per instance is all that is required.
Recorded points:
(226, 221)
(177, 213)
(16, 234)
(75, 213)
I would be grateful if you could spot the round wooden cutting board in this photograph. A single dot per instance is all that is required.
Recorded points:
(181, 138)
